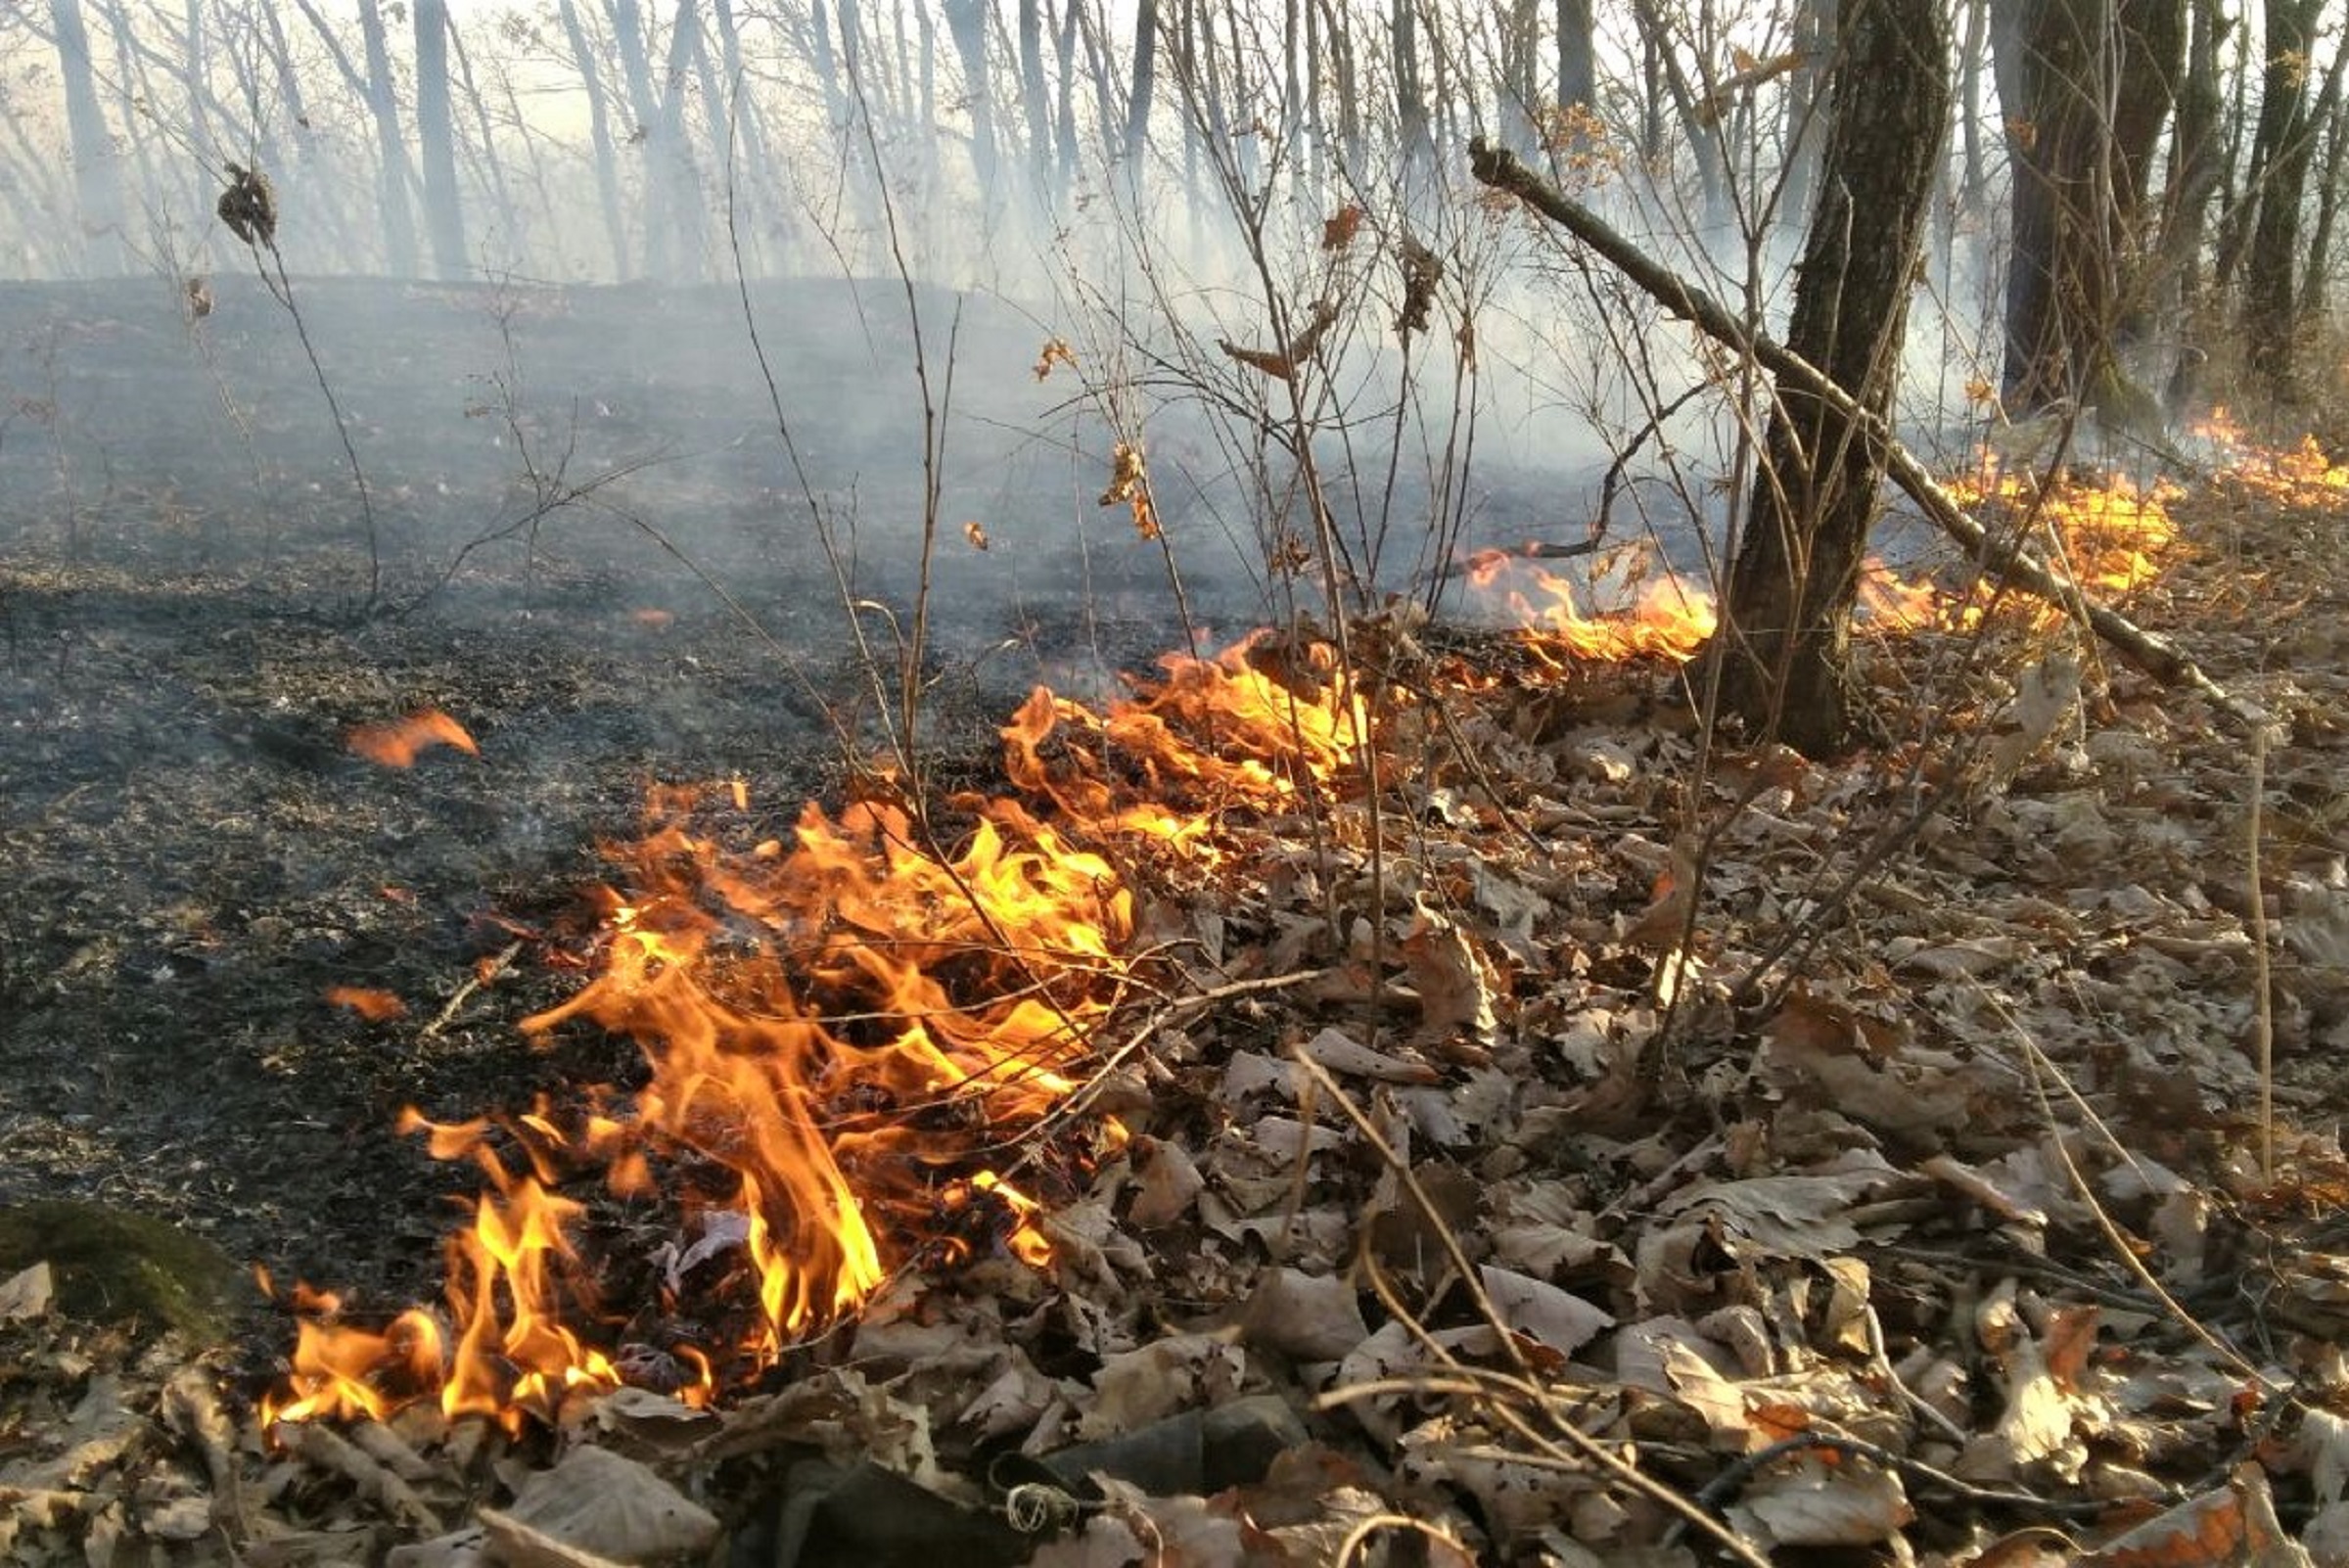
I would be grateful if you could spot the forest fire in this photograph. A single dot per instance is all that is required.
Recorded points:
(2108, 538)
(850, 1035)
(846, 1039)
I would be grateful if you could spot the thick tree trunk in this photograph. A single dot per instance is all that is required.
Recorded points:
(436, 132)
(2056, 62)
(1784, 644)
(2271, 320)
(1578, 57)
(96, 187)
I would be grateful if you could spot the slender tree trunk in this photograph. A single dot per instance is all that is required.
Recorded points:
(390, 143)
(491, 162)
(599, 134)
(1145, 83)
(1037, 100)
(1973, 190)
(1785, 644)
(674, 163)
(2316, 280)
(1411, 96)
(1807, 106)
(97, 181)
(1064, 131)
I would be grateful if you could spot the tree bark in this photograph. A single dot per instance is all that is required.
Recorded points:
(2271, 320)
(1145, 82)
(599, 134)
(392, 143)
(1785, 640)
(96, 187)
(966, 21)
(1578, 57)
(444, 215)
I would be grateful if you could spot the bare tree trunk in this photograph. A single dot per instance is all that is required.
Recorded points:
(1665, 62)
(390, 142)
(1785, 641)
(1974, 185)
(1411, 96)
(1064, 54)
(1807, 106)
(966, 21)
(2316, 280)
(1145, 82)
(599, 134)
(1578, 57)
(443, 215)
(97, 183)
(493, 165)
(2270, 319)
(674, 162)
(2056, 62)
(1035, 100)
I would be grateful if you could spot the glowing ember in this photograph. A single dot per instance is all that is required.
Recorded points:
(846, 1039)
(397, 743)
(376, 1006)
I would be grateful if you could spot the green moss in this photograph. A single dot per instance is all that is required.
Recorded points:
(123, 1268)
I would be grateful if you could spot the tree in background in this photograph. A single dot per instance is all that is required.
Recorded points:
(2281, 150)
(444, 216)
(96, 192)
(1784, 648)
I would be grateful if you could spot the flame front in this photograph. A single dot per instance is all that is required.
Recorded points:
(846, 1039)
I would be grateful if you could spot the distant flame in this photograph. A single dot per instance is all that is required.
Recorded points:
(396, 744)
(848, 1038)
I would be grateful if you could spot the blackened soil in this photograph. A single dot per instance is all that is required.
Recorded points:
(585, 547)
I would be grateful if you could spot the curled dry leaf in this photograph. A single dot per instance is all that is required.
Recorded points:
(596, 1507)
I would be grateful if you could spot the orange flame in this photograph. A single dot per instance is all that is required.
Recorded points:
(843, 1038)
(395, 744)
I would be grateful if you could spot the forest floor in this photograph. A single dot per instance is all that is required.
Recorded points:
(1602, 1226)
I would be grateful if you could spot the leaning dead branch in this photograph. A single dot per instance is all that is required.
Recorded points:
(2155, 655)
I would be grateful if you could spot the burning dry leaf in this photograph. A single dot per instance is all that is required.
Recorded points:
(374, 1005)
(396, 744)
(1055, 352)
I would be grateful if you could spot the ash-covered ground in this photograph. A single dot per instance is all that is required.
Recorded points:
(591, 547)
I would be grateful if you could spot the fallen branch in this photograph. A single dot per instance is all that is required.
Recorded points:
(2148, 651)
